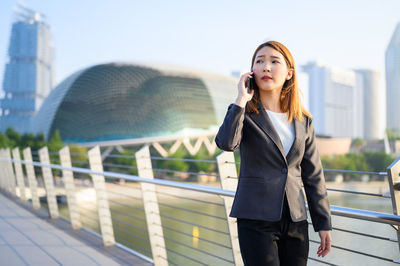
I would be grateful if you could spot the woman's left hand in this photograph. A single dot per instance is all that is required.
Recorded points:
(326, 241)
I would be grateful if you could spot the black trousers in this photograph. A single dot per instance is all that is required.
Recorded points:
(265, 243)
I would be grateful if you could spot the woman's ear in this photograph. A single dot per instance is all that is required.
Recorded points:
(290, 74)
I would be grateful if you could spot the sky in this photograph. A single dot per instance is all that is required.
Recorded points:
(216, 36)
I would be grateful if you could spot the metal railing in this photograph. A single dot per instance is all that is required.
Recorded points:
(178, 223)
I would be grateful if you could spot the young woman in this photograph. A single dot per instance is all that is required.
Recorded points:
(279, 156)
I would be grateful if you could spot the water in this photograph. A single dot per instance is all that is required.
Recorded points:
(193, 238)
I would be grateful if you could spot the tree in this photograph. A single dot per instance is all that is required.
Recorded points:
(378, 161)
(3, 141)
(358, 143)
(13, 137)
(55, 142)
(367, 161)
(393, 134)
(79, 155)
(40, 142)
(27, 140)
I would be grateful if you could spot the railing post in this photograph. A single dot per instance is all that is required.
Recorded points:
(48, 183)
(19, 174)
(10, 173)
(3, 180)
(30, 172)
(228, 179)
(65, 159)
(101, 195)
(151, 208)
(394, 184)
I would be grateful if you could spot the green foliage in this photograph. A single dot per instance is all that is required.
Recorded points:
(128, 160)
(393, 134)
(175, 165)
(184, 166)
(202, 166)
(78, 155)
(13, 138)
(27, 140)
(55, 142)
(40, 142)
(378, 161)
(358, 142)
(366, 161)
(3, 141)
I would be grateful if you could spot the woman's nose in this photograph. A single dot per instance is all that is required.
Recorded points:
(267, 68)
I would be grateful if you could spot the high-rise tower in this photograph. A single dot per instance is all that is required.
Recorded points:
(372, 111)
(392, 62)
(336, 101)
(28, 76)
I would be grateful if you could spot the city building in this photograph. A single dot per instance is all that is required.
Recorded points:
(344, 103)
(392, 64)
(371, 108)
(335, 100)
(122, 101)
(28, 75)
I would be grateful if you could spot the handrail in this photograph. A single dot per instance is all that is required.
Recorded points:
(336, 210)
(359, 193)
(340, 171)
(213, 161)
(355, 172)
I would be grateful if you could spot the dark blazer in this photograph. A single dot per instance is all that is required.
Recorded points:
(266, 173)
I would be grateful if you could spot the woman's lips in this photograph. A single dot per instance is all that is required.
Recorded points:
(266, 78)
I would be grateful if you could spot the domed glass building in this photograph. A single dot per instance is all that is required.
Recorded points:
(127, 101)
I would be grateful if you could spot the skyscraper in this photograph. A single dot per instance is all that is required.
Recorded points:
(28, 76)
(336, 101)
(344, 102)
(392, 62)
(371, 99)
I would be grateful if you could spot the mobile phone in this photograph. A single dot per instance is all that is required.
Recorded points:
(251, 84)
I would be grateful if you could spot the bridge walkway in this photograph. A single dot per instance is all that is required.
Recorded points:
(30, 237)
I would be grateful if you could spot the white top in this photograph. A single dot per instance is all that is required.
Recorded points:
(284, 129)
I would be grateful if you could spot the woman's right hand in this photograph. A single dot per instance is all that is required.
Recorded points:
(243, 95)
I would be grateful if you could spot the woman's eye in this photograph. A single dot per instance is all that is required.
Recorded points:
(258, 61)
(275, 61)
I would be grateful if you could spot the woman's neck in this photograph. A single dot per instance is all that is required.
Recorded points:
(270, 100)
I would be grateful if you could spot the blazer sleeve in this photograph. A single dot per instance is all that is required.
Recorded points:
(230, 132)
(314, 183)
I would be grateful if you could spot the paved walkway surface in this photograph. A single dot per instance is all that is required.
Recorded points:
(29, 237)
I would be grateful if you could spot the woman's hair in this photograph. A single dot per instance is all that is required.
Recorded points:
(290, 95)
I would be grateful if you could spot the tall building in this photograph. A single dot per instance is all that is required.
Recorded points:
(392, 63)
(28, 75)
(372, 112)
(336, 101)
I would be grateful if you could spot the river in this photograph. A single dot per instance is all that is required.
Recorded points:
(195, 226)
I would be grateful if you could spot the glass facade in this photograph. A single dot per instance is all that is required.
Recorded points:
(392, 63)
(28, 77)
(126, 101)
(336, 101)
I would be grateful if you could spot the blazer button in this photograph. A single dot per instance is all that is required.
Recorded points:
(284, 171)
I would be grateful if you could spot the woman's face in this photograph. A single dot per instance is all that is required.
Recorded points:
(270, 69)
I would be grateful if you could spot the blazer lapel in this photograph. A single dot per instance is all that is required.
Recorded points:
(263, 121)
(299, 137)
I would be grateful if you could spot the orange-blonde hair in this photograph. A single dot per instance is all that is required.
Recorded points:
(290, 95)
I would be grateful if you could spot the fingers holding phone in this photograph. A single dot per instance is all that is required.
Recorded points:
(245, 89)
